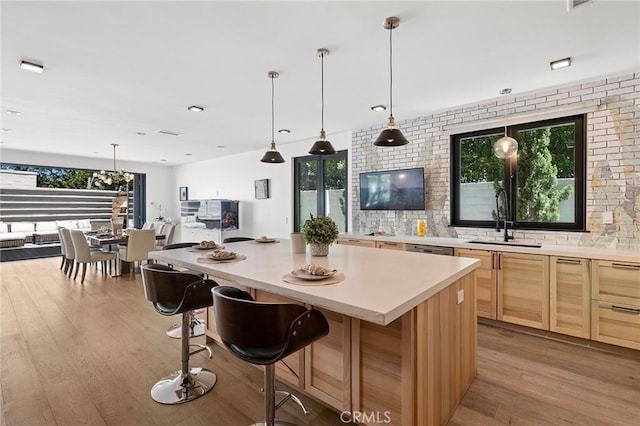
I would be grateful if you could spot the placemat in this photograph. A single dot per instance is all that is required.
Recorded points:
(266, 243)
(336, 278)
(238, 258)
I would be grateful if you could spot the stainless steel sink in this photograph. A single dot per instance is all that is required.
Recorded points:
(506, 243)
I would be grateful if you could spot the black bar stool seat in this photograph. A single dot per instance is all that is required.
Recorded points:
(265, 333)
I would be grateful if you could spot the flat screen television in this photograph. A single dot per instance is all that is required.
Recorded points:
(392, 190)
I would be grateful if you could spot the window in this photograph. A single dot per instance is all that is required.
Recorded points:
(544, 184)
(320, 184)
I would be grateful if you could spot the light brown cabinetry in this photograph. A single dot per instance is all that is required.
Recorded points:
(523, 289)
(391, 246)
(569, 296)
(356, 242)
(485, 281)
(615, 305)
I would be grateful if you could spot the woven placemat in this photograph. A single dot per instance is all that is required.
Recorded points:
(335, 279)
(197, 250)
(238, 258)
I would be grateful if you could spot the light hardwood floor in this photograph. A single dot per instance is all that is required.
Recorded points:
(88, 354)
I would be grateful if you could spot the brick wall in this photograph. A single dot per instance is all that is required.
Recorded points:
(612, 107)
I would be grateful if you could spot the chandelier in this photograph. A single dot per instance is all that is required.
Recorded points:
(116, 179)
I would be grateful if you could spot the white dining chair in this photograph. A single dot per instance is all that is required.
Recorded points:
(139, 244)
(84, 254)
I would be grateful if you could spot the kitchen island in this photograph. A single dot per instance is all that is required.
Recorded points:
(402, 345)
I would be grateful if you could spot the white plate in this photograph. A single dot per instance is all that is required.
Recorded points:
(266, 240)
(310, 277)
(229, 257)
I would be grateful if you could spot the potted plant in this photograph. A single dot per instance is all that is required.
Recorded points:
(319, 232)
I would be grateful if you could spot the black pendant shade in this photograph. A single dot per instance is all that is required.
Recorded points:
(322, 146)
(272, 155)
(391, 136)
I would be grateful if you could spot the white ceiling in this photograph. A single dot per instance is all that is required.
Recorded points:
(113, 69)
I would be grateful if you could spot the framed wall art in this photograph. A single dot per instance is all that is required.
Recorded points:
(262, 189)
(184, 193)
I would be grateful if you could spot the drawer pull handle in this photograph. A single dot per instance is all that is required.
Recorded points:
(624, 266)
(569, 261)
(389, 244)
(625, 310)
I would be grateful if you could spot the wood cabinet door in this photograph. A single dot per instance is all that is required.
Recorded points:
(616, 282)
(356, 242)
(523, 289)
(485, 281)
(328, 364)
(615, 324)
(391, 245)
(570, 296)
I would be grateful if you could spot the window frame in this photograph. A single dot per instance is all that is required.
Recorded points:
(320, 202)
(511, 173)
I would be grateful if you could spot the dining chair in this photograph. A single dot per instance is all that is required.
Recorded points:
(147, 225)
(84, 255)
(167, 230)
(139, 244)
(69, 253)
(62, 248)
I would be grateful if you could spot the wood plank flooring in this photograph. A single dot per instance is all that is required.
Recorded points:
(89, 353)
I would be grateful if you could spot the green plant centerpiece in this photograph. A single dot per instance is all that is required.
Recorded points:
(319, 232)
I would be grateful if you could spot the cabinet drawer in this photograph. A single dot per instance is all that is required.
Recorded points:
(616, 282)
(356, 242)
(391, 246)
(615, 324)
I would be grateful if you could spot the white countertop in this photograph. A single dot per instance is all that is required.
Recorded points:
(380, 285)
(602, 253)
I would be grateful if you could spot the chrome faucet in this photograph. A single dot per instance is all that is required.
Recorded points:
(507, 237)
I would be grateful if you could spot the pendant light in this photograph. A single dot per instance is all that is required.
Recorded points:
(391, 136)
(272, 155)
(505, 147)
(322, 146)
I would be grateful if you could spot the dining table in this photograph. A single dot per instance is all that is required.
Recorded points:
(106, 243)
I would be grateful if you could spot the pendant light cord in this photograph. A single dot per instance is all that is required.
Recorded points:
(272, 113)
(322, 88)
(391, 71)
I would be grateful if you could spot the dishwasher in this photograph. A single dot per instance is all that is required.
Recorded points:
(422, 248)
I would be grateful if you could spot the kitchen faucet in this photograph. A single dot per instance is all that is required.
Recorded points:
(507, 237)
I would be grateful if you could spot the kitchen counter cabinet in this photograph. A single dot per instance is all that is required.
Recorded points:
(615, 305)
(403, 332)
(391, 245)
(356, 242)
(485, 279)
(570, 296)
(523, 289)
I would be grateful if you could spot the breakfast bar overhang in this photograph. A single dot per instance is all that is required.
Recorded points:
(402, 344)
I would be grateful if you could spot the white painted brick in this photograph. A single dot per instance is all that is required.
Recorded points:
(620, 91)
(568, 101)
(620, 78)
(595, 95)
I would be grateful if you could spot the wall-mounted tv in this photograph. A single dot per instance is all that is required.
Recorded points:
(392, 190)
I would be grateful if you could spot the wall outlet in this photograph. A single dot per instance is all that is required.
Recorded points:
(607, 218)
(460, 296)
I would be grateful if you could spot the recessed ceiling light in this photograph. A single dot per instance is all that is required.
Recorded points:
(378, 108)
(195, 108)
(11, 112)
(141, 133)
(169, 132)
(30, 66)
(7, 130)
(219, 146)
(163, 160)
(284, 131)
(188, 153)
(560, 63)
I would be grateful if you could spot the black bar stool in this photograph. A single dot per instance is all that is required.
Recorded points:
(265, 333)
(174, 292)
